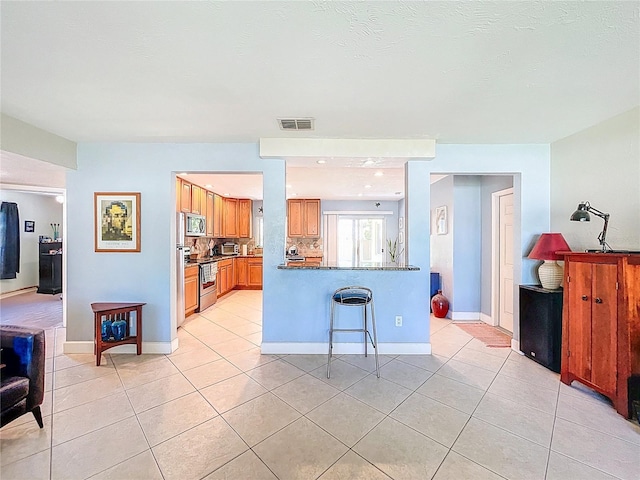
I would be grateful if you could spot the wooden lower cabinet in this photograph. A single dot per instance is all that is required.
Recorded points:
(249, 273)
(191, 289)
(225, 278)
(601, 323)
(307, 262)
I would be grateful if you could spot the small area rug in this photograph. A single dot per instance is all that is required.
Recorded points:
(490, 336)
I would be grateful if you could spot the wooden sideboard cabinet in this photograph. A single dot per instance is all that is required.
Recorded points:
(601, 323)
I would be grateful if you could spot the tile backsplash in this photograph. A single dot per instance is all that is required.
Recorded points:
(307, 247)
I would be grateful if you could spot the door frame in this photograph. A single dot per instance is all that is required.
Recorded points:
(495, 252)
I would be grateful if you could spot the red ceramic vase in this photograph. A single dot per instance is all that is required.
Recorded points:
(439, 305)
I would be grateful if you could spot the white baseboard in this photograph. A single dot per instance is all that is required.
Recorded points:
(319, 348)
(147, 347)
(515, 346)
(465, 316)
(487, 319)
(18, 292)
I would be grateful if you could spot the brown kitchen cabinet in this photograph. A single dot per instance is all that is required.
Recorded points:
(218, 216)
(209, 212)
(245, 208)
(303, 218)
(248, 273)
(601, 323)
(254, 272)
(196, 200)
(230, 218)
(241, 271)
(191, 273)
(226, 280)
(185, 195)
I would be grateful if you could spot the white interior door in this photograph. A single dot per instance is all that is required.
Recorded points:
(505, 273)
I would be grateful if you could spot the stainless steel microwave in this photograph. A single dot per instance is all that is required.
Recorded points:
(195, 225)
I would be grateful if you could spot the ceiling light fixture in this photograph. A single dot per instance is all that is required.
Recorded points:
(378, 174)
(208, 185)
(321, 161)
(226, 194)
(367, 186)
(288, 186)
(368, 161)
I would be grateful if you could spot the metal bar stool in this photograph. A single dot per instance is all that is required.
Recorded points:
(354, 296)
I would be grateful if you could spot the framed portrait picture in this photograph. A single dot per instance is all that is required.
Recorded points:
(441, 220)
(116, 221)
(29, 226)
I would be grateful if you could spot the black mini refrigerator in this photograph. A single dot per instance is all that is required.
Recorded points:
(541, 325)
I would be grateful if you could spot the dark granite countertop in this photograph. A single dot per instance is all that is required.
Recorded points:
(334, 266)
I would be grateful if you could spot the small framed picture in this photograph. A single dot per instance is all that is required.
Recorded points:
(29, 226)
(117, 222)
(400, 223)
(400, 238)
(441, 220)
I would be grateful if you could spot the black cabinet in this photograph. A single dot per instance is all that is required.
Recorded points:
(541, 325)
(50, 268)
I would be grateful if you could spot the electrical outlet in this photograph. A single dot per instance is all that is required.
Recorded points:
(398, 320)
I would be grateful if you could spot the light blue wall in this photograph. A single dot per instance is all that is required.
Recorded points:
(530, 165)
(295, 302)
(442, 245)
(466, 244)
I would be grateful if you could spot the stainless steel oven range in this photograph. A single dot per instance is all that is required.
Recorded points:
(208, 285)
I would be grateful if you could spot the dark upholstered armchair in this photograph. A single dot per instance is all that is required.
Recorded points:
(22, 376)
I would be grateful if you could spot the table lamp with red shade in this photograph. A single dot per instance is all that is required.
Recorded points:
(550, 272)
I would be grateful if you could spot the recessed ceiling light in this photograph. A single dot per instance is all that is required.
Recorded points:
(226, 194)
(360, 194)
(367, 186)
(184, 173)
(378, 174)
(208, 185)
(292, 194)
(321, 161)
(368, 161)
(288, 186)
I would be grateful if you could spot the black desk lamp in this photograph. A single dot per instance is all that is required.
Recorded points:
(582, 215)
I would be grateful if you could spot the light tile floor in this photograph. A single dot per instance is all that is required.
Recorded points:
(218, 409)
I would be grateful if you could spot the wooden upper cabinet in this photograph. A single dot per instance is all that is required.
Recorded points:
(295, 218)
(230, 217)
(303, 218)
(209, 214)
(185, 196)
(312, 218)
(244, 218)
(196, 200)
(218, 216)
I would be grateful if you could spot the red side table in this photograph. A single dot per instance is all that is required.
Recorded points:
(116, 311)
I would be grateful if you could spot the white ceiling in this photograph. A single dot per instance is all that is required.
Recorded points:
(458, 72)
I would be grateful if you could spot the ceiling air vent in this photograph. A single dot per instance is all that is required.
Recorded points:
(295, 123)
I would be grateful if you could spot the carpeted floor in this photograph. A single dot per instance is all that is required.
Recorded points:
(32, 310)
(490, 336)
